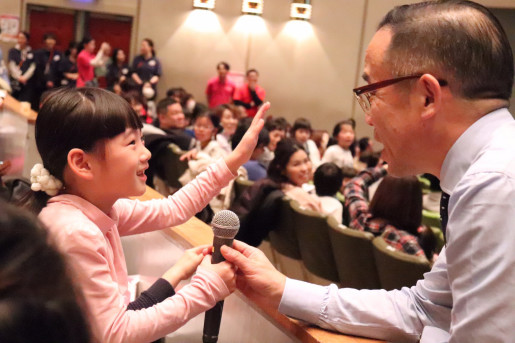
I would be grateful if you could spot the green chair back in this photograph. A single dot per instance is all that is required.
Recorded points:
(284, 238)
(431, 218)
(354, 256)
(314, 242)
(169, 167)
(397, 269)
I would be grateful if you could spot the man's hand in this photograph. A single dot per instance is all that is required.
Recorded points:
(256, 277)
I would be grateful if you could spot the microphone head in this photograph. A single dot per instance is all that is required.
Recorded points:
(225, 224)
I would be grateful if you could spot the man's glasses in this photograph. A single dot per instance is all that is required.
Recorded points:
(364, 94)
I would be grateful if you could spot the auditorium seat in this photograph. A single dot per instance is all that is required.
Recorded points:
(431, 218)
(285, 244)
(397, 269)
(315, 245)
(169, 167)
(354, 256)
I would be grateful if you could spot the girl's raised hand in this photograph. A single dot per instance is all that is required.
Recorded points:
(186, 265)
(243, 151)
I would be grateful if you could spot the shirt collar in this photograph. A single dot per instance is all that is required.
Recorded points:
(102, 220)
(469, 146)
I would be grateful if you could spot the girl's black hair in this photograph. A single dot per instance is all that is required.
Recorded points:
(79, 118)
(277, 168)
(215, 120)
(301, 123)
(338, 127)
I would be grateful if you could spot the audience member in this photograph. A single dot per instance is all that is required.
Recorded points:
(339, 153)
(47, 61)
(38, 300)
(328, 179)
(191, 107)
(21, 67)
(138, 104)
(250, 95)
(146, 67)
(395, 211)
(277, 129)
(207, 150)
(118, 70)
(321, 139)
(68, 66)
(258, 205)
(301, 132)
(220, 89)
(172, 121)
(87, 61)
(228, 122)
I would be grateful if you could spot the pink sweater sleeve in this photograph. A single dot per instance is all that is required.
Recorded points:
(142, 216)
(111, 322)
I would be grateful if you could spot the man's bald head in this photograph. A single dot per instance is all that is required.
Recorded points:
(459, 41)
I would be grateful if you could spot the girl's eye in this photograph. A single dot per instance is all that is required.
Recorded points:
(133, 142)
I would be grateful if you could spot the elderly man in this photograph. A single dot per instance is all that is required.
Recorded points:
(440, 75)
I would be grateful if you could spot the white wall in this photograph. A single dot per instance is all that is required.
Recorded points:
(307, 68)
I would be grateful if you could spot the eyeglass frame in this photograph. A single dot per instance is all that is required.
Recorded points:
(358, 92)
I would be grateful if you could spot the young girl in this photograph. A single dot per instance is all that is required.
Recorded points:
(340, 153)
(90, 140)
(301, 132)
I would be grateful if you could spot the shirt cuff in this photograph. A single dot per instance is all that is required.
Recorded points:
(303, 300)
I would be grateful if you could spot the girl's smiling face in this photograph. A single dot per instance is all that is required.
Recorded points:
(120, 163)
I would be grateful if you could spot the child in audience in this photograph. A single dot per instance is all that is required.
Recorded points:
(328, 180)
(276, 131)
(94, 159)
(339, 153)
(301, 132)
(207, 150)
(395, 211)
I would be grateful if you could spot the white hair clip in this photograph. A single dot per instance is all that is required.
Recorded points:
(41, 180)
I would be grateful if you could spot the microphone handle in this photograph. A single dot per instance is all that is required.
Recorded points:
(217, 244)
(213, 317)
(212, 320)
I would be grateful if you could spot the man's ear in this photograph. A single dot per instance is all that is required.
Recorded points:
(430, 93)
(79, 163)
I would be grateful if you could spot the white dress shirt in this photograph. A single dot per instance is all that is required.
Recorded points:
(469, 292)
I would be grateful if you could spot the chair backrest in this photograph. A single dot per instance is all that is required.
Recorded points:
(431, 218)
(314, 242)
(354, 256)
(240, 185)
(284, 238)
(397, 269)
(169, 167)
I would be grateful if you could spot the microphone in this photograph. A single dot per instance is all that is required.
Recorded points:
(225, 226)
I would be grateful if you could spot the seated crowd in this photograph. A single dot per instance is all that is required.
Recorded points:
(328, 174)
